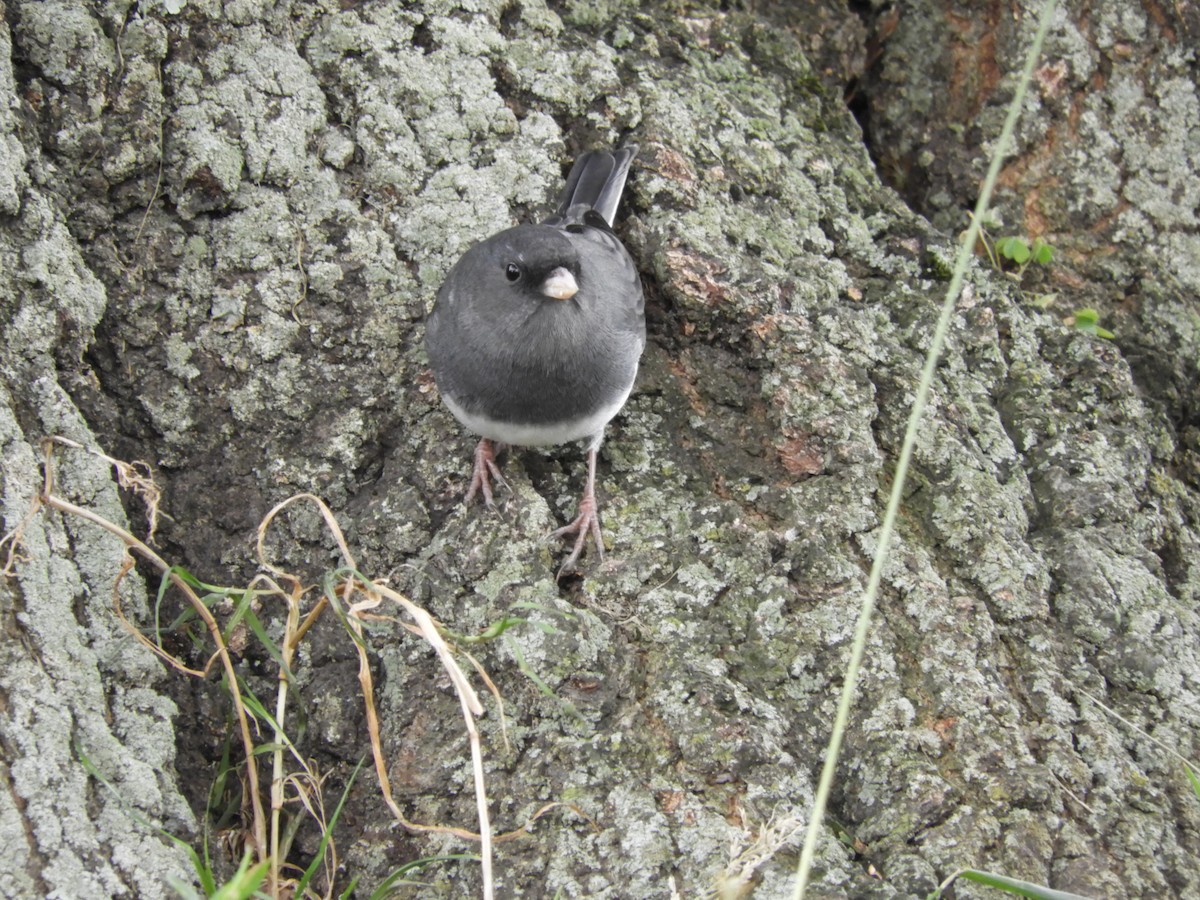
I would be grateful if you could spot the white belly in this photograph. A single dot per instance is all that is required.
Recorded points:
(539, 435)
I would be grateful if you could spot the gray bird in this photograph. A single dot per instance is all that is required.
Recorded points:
(537, 331)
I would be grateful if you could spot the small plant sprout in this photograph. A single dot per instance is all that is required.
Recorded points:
(1087, 319)
(1023, 253)
(1014, 250)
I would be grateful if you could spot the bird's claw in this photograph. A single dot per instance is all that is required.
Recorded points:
(484, 472)
(585, 523)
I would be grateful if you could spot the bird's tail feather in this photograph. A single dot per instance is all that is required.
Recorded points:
(597, 180)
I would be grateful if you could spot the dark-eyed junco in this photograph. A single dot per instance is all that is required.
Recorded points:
(536, 334)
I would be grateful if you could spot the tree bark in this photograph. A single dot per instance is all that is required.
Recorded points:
(222, 227)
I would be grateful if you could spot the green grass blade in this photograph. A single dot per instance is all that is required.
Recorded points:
(329, 585)
(1194, 779)
(203, 871)
(527, 671)
(327, 833)
(245, 881)
(253, 705)
(1008, 885)
(243, 612)
(858, 649)
(221, 807)
(396, 879)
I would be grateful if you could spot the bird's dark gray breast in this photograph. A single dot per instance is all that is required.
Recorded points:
(545, 361)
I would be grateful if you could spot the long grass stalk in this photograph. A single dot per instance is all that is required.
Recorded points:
(825, 784)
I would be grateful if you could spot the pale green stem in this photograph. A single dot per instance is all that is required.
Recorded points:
(889, 519)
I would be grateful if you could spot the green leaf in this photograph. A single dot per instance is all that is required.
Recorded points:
(245, 881)
(1087, 319)
(494, 630)
(504, 623)
(1013, 248)
(243, 612)
(1042, 252)
(266, 749)
(224, 802)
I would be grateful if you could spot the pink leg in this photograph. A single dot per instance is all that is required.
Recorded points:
(586, 522)
(485, 470)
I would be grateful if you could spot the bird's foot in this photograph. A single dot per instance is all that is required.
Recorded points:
(485, 471)
(587, 522)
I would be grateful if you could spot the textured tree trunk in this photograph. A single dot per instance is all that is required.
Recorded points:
(221, 226)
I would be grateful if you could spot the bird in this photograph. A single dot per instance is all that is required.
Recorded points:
(535, 336)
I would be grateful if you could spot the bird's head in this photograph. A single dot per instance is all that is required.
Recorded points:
(528, 264)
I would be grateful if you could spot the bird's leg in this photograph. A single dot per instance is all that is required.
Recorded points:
(586, 522)
(485, 470)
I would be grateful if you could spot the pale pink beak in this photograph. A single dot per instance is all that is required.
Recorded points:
(560, 285)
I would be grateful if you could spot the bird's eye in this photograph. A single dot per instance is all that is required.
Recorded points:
(512, 272)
